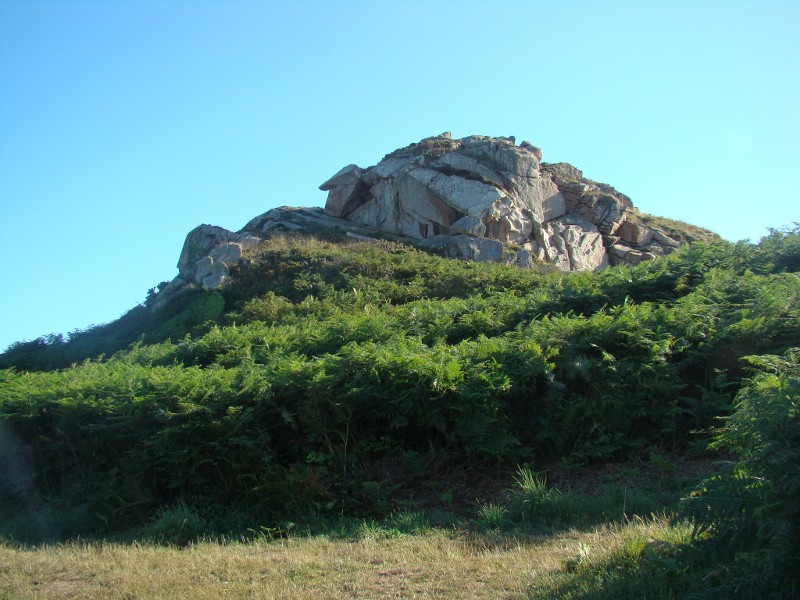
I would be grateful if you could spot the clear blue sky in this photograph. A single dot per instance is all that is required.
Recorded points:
(123, 125)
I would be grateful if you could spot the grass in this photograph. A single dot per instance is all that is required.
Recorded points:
(433, 564)
(678, 230)
(643, 559)
(584, 536)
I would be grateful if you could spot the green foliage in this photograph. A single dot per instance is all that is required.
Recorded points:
(187, 312)
(325, 363)
(779, 251)
(491, 516)
(534, 504)
(203, 308)
(749, 514)
(177, 525)
(638, 568)
(533, 500)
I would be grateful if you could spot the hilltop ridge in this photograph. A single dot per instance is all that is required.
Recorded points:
(477, 198)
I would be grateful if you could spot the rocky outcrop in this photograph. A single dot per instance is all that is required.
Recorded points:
(477, 198)
(458, 195)
(209, 251)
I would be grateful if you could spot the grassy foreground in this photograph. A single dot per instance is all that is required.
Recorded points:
(433, 564)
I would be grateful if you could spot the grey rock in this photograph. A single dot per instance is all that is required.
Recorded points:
(537, 152)
(469, 225)
(344, 176)
(619, 250)
(344, 190)
(279, 226)
(207, 254)
(469, 168)
(504, 157)
(477, 198)
(464, 247)
(551, 246)
(523, 258)
(634, 257)
(563, 173)
(199, 242)
(508, 223)
(490, 188)
(388, 167)
(203, 268)
(173, 288)
(663, 239)
(463, 195)
(541, 198)
(359, 237)
(634, 233)
(572, 244)
(585, 248)
(657, 249)
(228, 253)
(219, 276)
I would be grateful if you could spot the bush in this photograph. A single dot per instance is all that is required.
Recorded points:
(533, 500)
(177, 525)
(749, 515)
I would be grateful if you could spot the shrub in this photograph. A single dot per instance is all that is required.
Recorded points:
(749, 514)
(533, 500)
(492, 516)
(177, 525)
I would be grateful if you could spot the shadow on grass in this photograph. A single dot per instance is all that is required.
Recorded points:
(527, 511)
(633, 572)
(533, 514)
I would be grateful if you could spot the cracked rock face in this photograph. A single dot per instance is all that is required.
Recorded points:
(476, 198)
(488, 188)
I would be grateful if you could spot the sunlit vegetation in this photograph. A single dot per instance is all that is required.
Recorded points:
(677, 230)
(339, 380)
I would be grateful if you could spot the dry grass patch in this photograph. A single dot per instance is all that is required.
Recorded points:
(437, 564)
(433, 565)
(677, 230)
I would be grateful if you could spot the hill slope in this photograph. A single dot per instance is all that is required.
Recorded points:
(333, 372)
(355, 378)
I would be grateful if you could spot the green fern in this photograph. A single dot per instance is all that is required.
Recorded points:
(749, 514)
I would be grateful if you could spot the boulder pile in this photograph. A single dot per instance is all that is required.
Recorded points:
(476, 198)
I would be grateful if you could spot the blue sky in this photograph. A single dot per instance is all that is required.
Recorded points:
(123, 125)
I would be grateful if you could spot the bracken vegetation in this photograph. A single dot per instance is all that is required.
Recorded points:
(337, 380)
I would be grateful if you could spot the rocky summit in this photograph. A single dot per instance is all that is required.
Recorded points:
(477, 198)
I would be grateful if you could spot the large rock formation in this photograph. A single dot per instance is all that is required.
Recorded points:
(480, 197)
(477, 198)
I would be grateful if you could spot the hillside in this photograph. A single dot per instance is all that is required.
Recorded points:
(477, 198)
(332, 374)
(357, 351)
